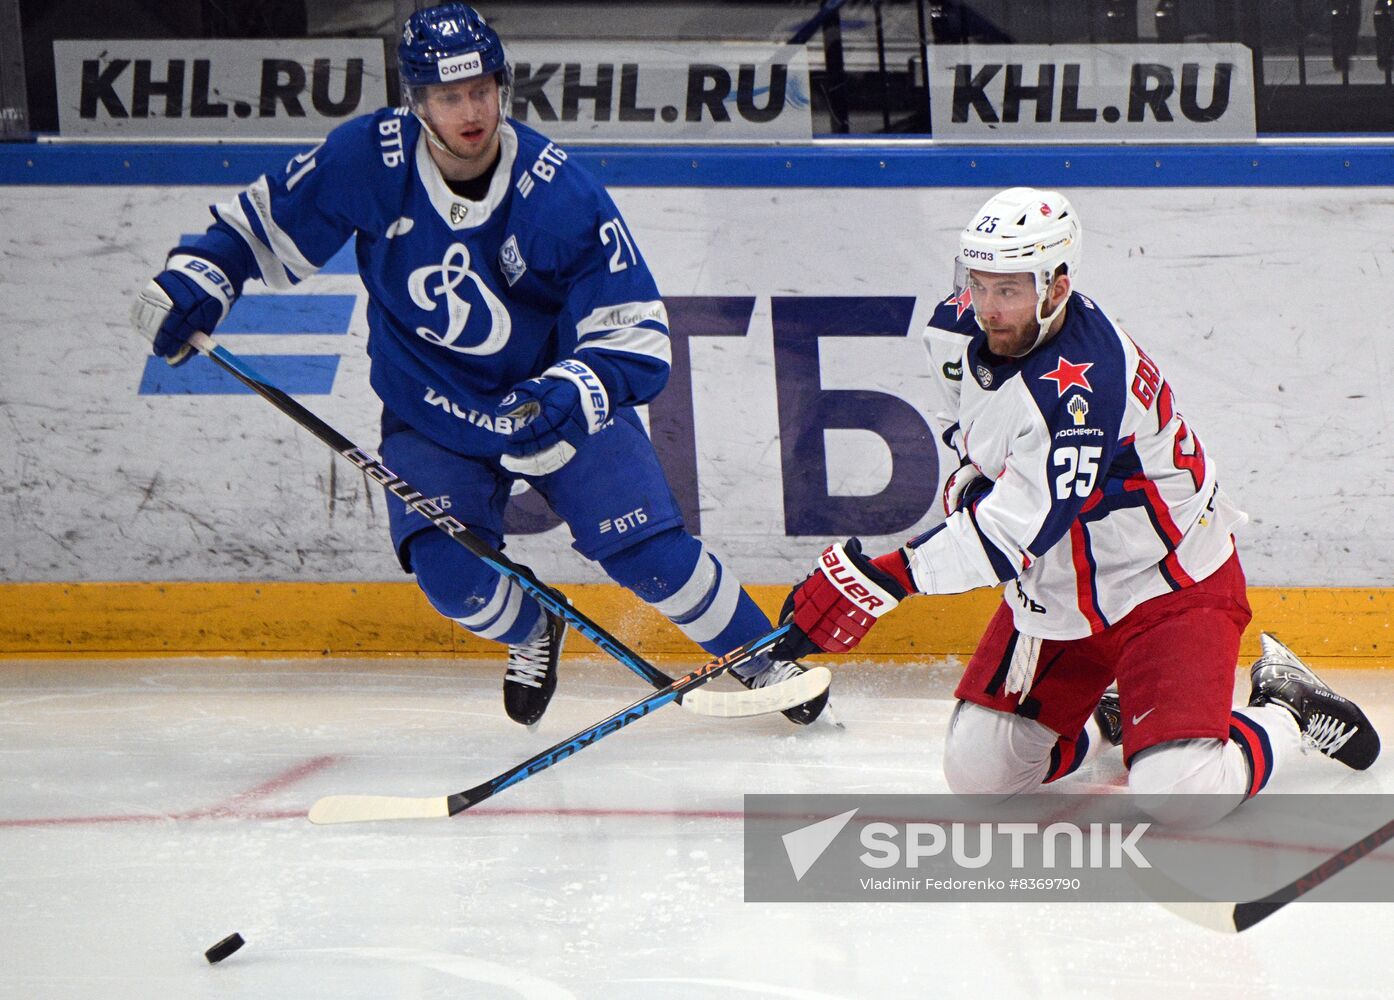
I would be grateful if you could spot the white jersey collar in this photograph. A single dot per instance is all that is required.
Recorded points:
(461, 213)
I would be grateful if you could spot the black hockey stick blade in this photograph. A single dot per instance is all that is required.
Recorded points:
(1231, 918)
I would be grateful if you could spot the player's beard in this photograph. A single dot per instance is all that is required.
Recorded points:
(1015, 341)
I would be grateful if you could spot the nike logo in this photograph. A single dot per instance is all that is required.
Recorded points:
(1139, 718)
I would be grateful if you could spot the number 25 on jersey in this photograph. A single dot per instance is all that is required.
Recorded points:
(1080, 467)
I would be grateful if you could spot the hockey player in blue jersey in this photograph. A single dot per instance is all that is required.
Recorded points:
(1083, 489)
(513, 327)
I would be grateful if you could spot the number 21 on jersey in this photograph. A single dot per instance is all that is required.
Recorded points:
(612, 231)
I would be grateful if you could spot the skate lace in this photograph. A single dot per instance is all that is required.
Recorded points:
(1327, 734)
(776, 673)
(527, 664)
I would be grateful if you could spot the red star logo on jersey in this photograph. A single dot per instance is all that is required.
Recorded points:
(1068, 374)
(963, 301)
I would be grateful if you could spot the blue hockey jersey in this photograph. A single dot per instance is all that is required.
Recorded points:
(465, 298)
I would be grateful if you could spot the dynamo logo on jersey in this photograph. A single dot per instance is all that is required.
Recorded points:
(511, 261)
(452, 272)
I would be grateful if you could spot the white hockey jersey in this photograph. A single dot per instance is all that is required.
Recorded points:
(1102, 498)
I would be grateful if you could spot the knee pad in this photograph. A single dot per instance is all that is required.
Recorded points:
(1188, 784)
(462, 587)
(987, 752)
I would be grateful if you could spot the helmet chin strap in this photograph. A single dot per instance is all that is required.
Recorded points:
(1044, 322)
(435, 139)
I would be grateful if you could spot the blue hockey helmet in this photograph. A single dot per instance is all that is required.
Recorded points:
(448, 43)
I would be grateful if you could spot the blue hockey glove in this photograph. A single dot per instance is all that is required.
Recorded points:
(552, 416)
(191, 294)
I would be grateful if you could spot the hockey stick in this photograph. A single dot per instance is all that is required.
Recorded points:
(723, 704)
(1231, 918)
(364, 808)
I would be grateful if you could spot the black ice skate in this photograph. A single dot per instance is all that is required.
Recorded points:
(532, 673)
(1329, 723)
(778, 671)
(1109, 716)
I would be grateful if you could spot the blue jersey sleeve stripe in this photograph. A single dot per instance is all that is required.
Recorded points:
(261, 225)
(344, 261)
(644, 341)
(235, 216)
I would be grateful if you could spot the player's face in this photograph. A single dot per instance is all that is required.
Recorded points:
(466, 117)
(1006, 305)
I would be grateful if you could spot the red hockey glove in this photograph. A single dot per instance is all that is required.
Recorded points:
(840, 600)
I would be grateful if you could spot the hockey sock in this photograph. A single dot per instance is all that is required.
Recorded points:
(692, 588)
(1264, 735)
(1068, 756)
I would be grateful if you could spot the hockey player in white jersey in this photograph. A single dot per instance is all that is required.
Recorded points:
(1081, 487)
(513, 327)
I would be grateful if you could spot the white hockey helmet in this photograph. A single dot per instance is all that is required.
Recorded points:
(1023, 231)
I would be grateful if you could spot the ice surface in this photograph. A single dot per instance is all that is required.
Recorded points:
(150, 808)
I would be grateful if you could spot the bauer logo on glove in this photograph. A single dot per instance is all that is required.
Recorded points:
(854, 587)
(837, 604)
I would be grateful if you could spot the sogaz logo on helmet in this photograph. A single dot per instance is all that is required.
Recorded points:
(459, 67)
(972, 253)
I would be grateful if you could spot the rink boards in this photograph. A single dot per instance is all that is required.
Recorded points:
(150, 511)
(1333, 626)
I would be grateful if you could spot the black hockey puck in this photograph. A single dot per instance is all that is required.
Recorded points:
(224, 948)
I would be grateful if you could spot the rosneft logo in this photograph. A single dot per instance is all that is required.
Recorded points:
(1043, 247)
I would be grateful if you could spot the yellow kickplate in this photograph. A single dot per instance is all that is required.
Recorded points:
(1348, 626)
